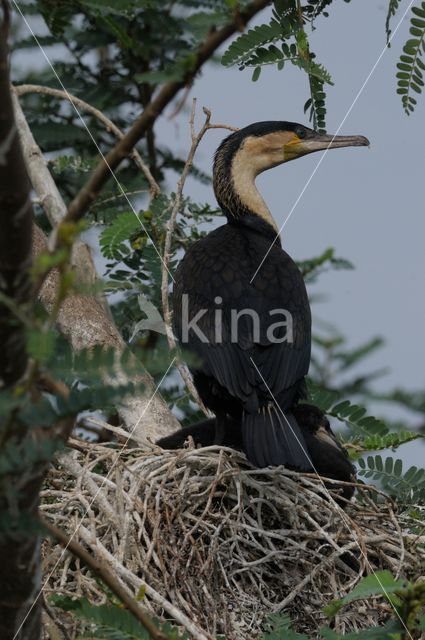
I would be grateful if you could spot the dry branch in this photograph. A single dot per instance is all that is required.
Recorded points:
(85, 323)
(108, 578)
(48, 194)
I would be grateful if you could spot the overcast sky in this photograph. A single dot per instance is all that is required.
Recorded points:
(368, 204)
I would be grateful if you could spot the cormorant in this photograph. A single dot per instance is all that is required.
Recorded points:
(240, 303)
(329, 458)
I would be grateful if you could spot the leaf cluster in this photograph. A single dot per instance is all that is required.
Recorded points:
(284, 40)
(407, 488)
(411, 66)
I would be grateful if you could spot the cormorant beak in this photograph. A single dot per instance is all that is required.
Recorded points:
(321, 142)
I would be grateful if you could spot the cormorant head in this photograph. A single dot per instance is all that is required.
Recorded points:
(329, 457)
(260, 146)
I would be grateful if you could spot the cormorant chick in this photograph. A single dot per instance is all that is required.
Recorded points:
(327, 455)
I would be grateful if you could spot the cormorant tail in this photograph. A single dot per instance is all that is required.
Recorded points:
(272, 438)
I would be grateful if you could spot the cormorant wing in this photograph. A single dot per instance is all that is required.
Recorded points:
(240, 319)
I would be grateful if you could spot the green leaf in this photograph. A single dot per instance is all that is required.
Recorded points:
(256, 74)
(114, 238)
(411, 64)
(243, 47)
(111, 622)
(119, 31)
(407, 489)
(379, 583)
(124, 8)
(393, 6)
(278, 627)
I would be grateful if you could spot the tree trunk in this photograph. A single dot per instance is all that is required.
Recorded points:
(19, 488)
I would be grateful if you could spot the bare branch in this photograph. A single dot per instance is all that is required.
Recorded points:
(49, 196)
(196, 139)
(5, 25)
(85, 106)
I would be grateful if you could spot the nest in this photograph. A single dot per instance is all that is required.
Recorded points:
(217, 545)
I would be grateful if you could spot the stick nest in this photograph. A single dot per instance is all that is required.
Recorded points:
(216, 545)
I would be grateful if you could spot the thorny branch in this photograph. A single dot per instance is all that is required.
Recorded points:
(196, 139)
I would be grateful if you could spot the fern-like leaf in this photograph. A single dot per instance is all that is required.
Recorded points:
(393, 6)
(111, 622)
(278, 626)
(354, 415)
(411, 65)
(114, 237)
(407, 488)
(243, 47)
(326, 261)
(388, 441)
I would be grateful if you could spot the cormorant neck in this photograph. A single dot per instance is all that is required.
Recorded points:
(255, 223)
(237, 194)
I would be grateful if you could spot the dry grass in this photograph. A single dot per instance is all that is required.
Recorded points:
(217, 544)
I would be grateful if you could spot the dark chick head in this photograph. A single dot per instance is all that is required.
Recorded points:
(329, 457)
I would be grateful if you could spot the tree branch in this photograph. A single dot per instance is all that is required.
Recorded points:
(49, 196)
(15, 216)
(91, 189)
(23, 89)
(19, 487)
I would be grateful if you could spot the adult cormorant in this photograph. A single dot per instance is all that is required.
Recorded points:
(240, 303)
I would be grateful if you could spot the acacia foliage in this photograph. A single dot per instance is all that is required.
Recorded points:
(285, 39)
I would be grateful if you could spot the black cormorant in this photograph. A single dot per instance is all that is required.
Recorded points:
(240, 303)
(329, 458)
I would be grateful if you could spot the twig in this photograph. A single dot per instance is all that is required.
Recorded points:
(196, 139)
(23, 89)
(121, 433)
(108, 578)
(55, 387)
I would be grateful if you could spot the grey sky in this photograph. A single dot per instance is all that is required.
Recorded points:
(366, 203)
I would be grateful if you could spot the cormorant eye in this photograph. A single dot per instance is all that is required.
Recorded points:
(301, 132)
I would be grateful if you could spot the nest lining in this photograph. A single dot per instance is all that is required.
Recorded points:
(218, 545)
